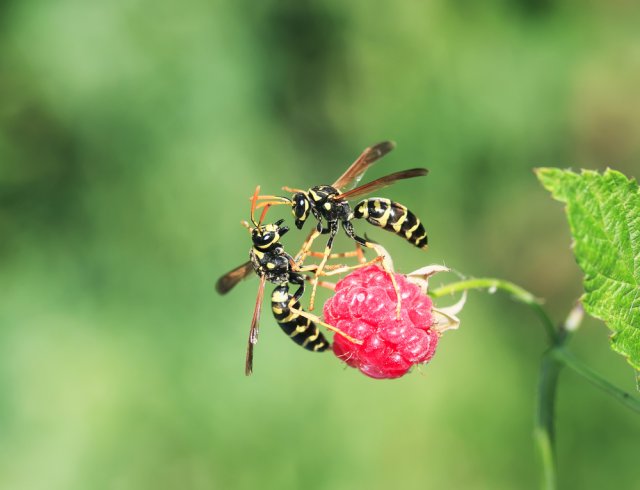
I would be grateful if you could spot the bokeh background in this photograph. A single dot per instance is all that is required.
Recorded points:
(132, 134)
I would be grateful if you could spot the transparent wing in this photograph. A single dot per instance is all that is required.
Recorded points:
(254, 331)
(227, 282)
(382, 182)
(357, 169)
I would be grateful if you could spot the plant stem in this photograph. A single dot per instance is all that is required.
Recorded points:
(594, 378)
(545, 413)
(516, 291)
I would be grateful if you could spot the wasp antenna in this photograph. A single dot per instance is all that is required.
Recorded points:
(264, 213)
(254, 199)
(292, 189)
(271, 203)
(284, 200)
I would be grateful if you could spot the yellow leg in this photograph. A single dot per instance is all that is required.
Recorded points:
(331, 270)
(341, 269)
(306, 246)
(354, 253)
(319, 271)
(357, 252)
(389, 270)
(314, 268)
(395, 286)
(328, 285)
(317, 320)
(331, 267)
(360, 253)
(340, 255)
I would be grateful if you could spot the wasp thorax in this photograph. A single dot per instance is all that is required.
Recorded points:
(300, 208)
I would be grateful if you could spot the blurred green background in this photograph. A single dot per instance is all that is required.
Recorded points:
(132, 134)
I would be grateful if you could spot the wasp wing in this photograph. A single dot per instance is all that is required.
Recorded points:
(382, 182)
(255, 326)
(357, 169)
(230, 279)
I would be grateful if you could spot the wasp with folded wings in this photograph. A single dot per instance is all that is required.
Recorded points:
(271, 263)
(330, 204)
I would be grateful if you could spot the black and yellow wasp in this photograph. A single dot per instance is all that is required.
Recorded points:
(268, 259)
(330, 204)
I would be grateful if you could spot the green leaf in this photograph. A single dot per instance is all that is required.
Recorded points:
(604, 216)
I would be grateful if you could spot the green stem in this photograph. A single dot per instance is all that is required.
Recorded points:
(516, 291)
(545, 433)
(594, 378)
(545, 413)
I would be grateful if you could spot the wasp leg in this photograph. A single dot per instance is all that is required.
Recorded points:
(304, 250)
(351, 233)
(395, 286)
(348, 228)
(333, 230)
(333, 269)
(353, 253)
(306, 246)
(340, 255)
(322, 284)
(317, 320)
(327, 284)
(341, 269)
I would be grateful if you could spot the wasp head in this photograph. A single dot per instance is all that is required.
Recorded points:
(300, 208)
(266, 236)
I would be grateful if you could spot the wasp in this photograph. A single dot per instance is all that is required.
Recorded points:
(330, 204)
(268, 259)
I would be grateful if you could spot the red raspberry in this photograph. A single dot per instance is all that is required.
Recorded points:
(364, 307)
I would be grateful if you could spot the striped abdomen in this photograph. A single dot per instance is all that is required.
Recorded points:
(394, 217)
(301, 330)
